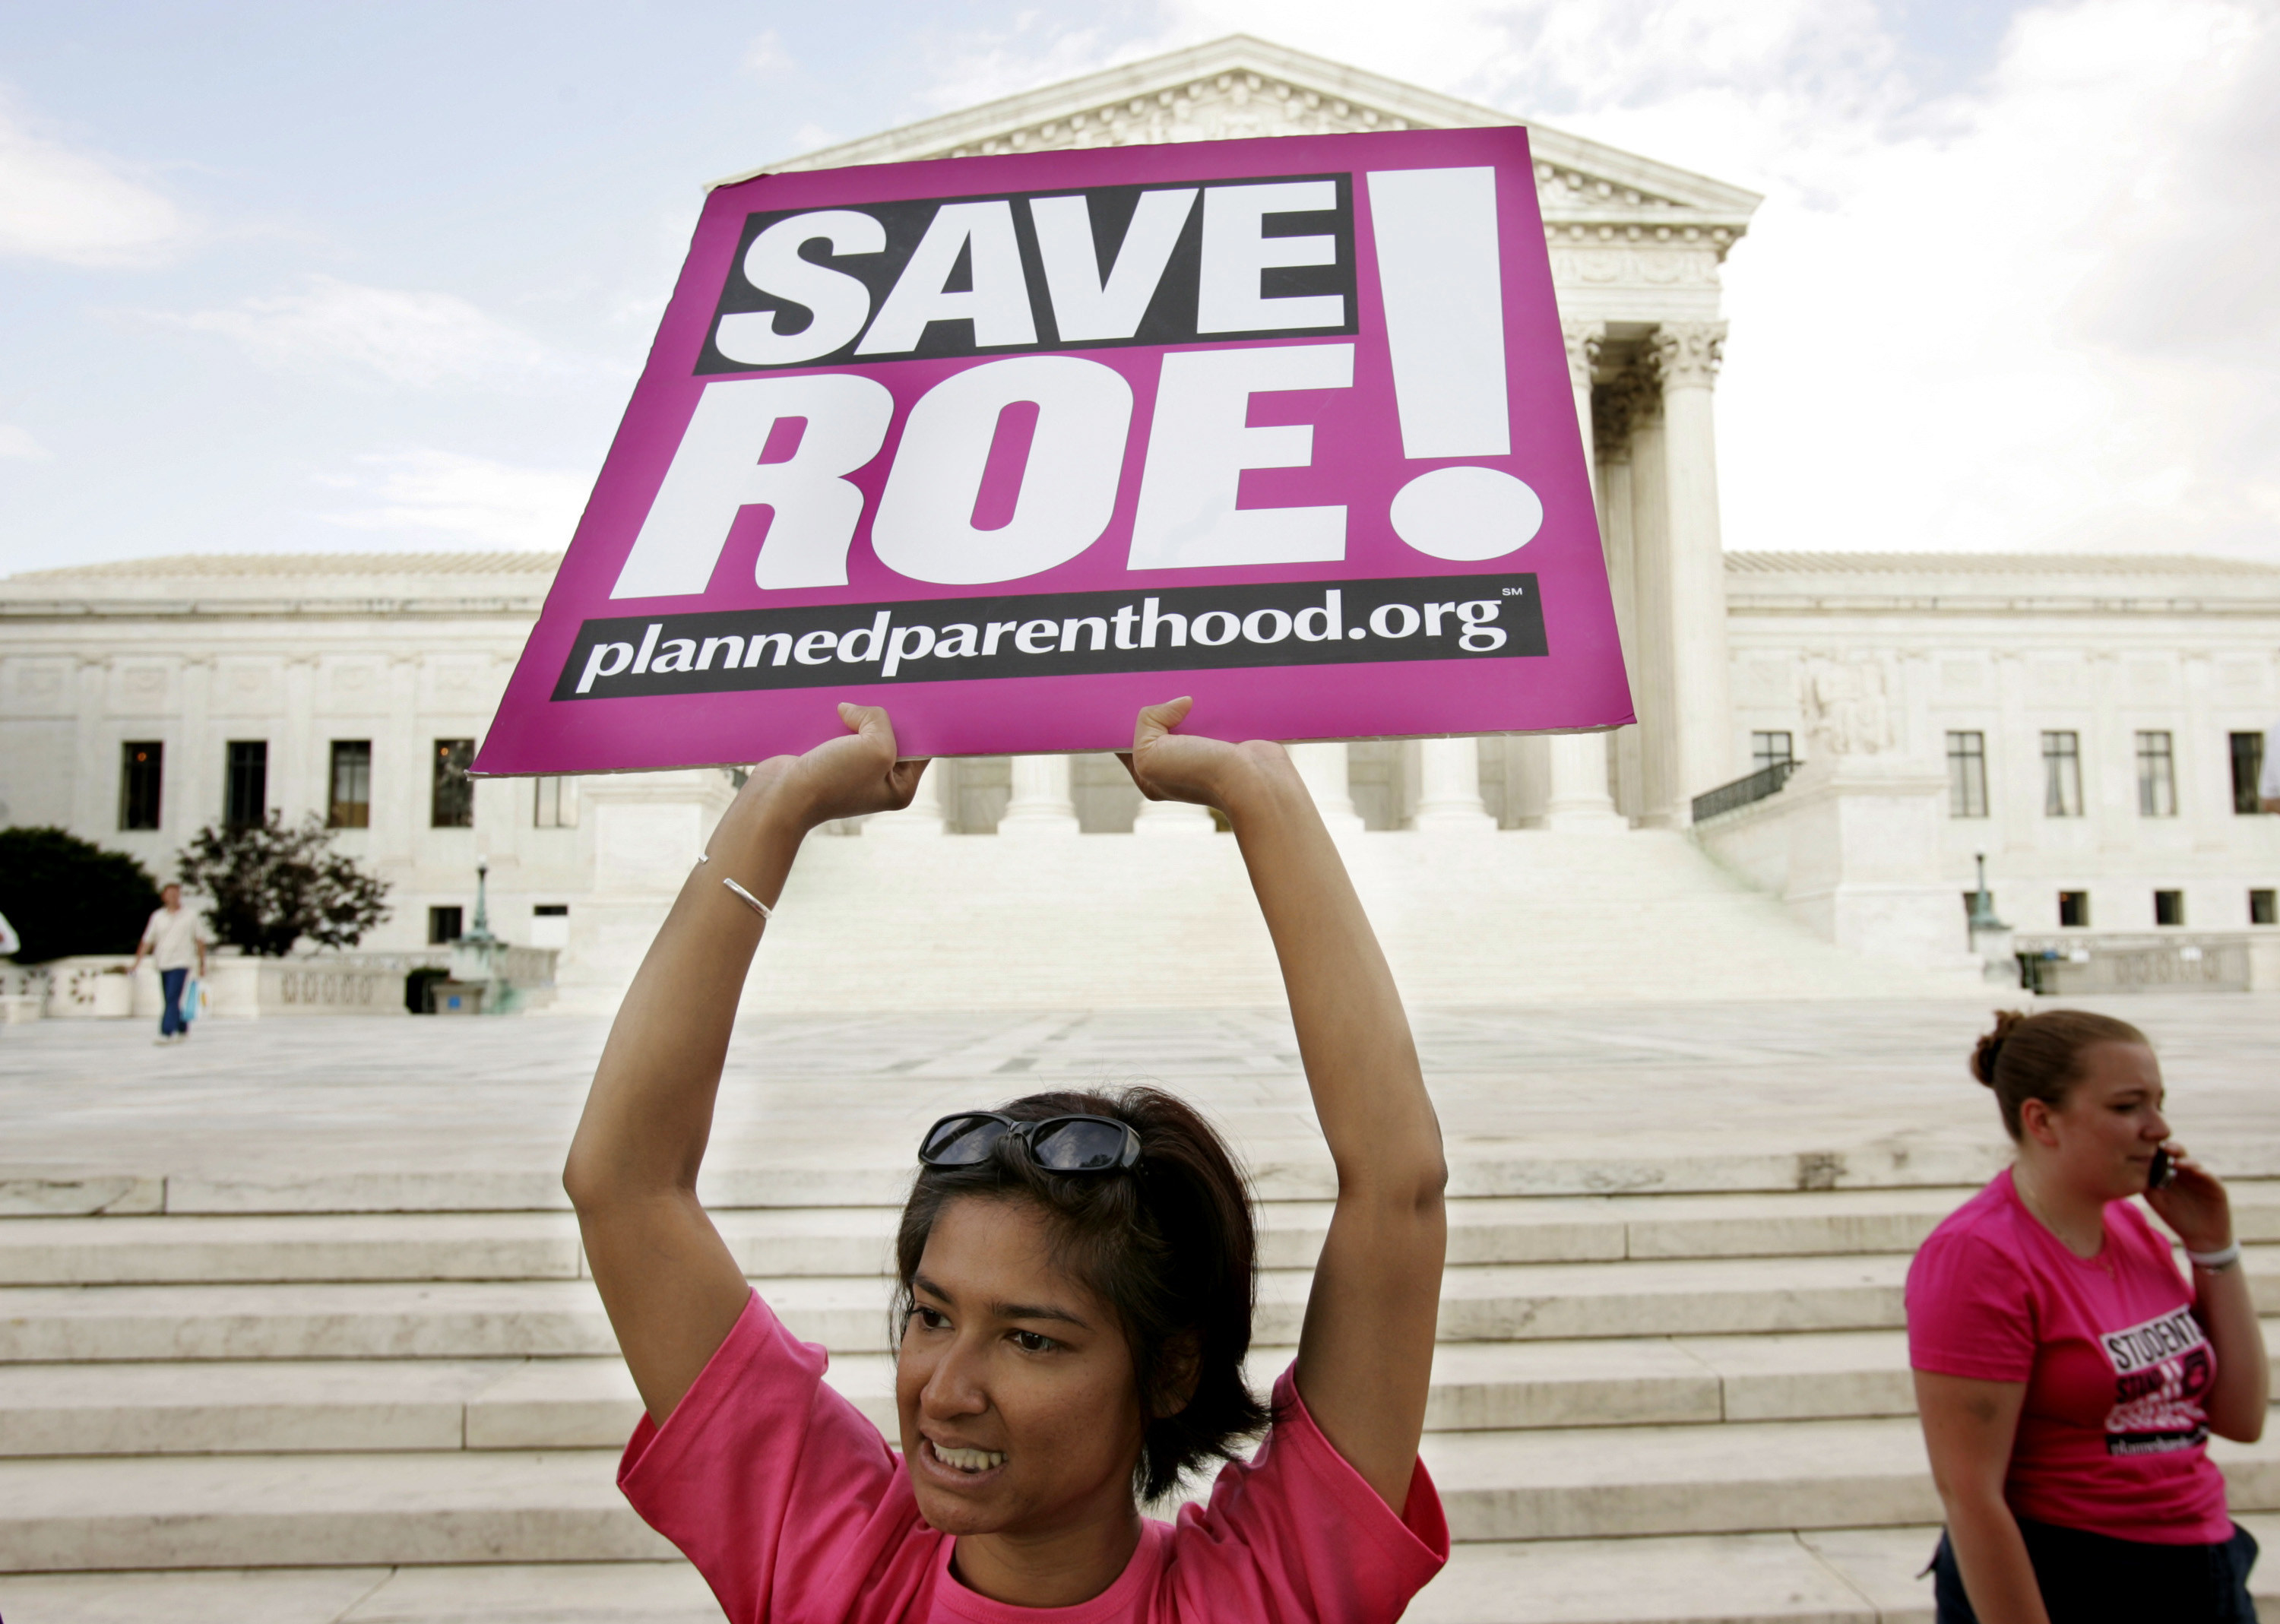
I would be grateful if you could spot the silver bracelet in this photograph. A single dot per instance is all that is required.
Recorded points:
(766, 912)
(2224, 1258)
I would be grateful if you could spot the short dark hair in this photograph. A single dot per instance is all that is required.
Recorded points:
(1170, 1246)
(2039, 1056)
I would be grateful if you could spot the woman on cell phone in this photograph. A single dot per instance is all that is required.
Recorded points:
(2067, 1373)
(1075, 1276)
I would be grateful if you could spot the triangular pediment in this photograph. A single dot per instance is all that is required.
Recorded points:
(1240, 87)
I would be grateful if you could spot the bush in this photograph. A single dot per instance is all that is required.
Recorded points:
(272, 885)
(65, 895)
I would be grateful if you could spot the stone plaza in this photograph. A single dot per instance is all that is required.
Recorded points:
(293, 1326)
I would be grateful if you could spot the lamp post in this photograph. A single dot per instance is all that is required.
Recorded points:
(1990, 937)
(478, 955)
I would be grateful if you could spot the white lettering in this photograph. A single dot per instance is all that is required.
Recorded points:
(838, 302)
(925, 524)
(624, 656)
(716, 473)
(997, 303)
(1201, 441)
(1085, 307)
(1235, 249)
(908, 642)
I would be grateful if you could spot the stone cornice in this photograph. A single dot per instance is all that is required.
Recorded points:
(176, 609)
(1240, 85)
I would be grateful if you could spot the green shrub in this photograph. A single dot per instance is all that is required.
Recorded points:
(271, 885)
(66, 895)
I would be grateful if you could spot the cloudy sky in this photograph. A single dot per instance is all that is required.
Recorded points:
(329, 277)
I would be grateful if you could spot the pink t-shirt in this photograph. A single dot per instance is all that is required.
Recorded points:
(794, 1509)
(2114, 1437)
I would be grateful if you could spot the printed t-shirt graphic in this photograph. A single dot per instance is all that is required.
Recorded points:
(2112, 1432)
(2163, 1370)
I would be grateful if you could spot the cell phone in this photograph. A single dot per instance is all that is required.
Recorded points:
(2158, 1175)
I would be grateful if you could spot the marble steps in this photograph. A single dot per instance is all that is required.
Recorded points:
(850, 1241)
(342, 1405)
(856, 1241)
(48, 1191)
(559, 1318)
(864, 919)
(471, 1505)
(1822, 1576)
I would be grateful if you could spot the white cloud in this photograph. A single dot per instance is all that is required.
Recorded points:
(424, 339)
(423, 495)
(767, 59)
(17, 444)
(2029, 312)
(58, 203)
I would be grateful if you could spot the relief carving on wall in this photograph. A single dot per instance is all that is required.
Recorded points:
(1848, 707)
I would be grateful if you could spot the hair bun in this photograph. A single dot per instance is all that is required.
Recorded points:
(1990, 1047)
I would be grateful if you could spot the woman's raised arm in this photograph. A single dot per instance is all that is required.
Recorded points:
(1365, 1354)
(671, 1288)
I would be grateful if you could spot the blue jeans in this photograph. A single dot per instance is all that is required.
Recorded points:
(173, 1020)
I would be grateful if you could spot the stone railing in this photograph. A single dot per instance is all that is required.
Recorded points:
(2076, 964)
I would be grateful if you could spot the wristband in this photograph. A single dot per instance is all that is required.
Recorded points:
(2223, 1257)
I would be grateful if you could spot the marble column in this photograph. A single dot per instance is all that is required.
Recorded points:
(1650, 669)
(1449, 787)
(1323, 767)
(1623, 569)
(1687, 357)
(1040, 803)
(1577, 765)
(924, 819)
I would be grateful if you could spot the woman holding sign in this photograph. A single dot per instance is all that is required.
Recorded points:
(1075, 1283)
(2067, 1377)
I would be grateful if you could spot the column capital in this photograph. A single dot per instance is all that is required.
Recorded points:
(1584, 340)
(1617, 407)
(1688, 354)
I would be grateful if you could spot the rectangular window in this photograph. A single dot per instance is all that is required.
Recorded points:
(2247, 769)
(1768, 750)
(2263, 907)
(1967, 775)
(442, 926)
(556, 803)
(2168, 907)
(141, 764)
(350, 807)
(2157, 776)
(2073, 909)
(2062, 775)
(247, 785)
(451, 800)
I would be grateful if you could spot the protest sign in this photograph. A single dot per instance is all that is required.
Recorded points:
(1014, 445)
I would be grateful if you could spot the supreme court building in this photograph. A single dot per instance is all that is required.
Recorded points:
(1827, 742)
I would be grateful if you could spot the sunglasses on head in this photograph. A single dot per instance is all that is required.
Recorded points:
(1058, 1144)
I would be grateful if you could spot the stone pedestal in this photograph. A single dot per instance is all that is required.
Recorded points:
(1175, 817)
(1579, 798)
(641, 832)
(1323, 767)
(1852, 846)
(922, 819)
(1449, 788)
(1040, 804)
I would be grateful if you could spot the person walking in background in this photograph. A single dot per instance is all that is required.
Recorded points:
(2068, 1374)
(175, 943)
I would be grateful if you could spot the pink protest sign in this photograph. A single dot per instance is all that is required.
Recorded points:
(1014, 445)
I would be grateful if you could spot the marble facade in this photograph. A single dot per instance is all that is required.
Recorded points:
(1866, 667)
